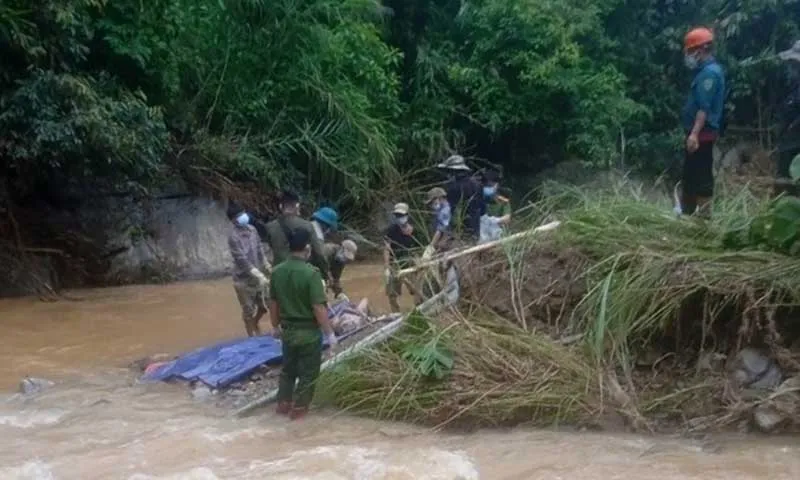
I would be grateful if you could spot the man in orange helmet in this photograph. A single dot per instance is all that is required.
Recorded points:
(701, 119)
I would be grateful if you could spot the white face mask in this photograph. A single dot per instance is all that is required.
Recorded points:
(401, 220)
(340, 257)
(243, 219)
(690, 61)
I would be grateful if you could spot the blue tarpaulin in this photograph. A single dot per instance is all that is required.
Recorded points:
(224, 363)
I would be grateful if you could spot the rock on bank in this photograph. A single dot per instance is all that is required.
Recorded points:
(118, 239)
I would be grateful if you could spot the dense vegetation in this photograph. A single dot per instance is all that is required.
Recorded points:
(331, 96)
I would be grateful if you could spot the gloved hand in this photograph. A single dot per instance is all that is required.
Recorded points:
(260, 277)
(274, 332)
(332, 340)
(428, 253)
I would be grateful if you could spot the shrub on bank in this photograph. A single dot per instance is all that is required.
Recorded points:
(643, 297)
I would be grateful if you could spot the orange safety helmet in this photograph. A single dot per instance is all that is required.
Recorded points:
(697, 37)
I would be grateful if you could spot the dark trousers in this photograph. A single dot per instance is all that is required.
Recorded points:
(698, 177)
(302, 358)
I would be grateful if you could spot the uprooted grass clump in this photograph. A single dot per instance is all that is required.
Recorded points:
(635, 280)
(458, 371)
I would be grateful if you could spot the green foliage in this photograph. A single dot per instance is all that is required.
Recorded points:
(333, 96)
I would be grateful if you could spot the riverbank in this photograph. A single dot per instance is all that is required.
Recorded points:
(625, 313)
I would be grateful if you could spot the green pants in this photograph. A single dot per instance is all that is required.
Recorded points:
(302, 358)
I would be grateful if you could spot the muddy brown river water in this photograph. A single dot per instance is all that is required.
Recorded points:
(97, 423)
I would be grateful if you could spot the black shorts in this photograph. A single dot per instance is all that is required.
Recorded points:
(698, 171)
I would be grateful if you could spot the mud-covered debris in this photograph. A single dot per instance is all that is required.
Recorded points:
(753, 369)
(33, 385)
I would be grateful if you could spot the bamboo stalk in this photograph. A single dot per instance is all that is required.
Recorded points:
(478, 248)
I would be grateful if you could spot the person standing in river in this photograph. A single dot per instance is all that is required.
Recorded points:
(398, 244)
(299, 314)
(701, 118)
(277, 233)
(250, 269)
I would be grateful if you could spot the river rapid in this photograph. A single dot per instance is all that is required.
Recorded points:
(98, 423)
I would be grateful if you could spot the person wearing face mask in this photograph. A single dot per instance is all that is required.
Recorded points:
(324, 220)
(702, 120)
(250, 269)
(437, 199)
(498, 209)
(277, 233)
(789, 114)
(464, 197)
(338, 256)
(398, 244)
(299, 314)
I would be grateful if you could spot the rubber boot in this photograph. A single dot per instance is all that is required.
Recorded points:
(284, 408)
(298, 413)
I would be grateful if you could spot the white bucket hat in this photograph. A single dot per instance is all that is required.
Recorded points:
(792, 54)
(454, 162)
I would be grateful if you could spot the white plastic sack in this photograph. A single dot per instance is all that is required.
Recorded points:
(490, 229)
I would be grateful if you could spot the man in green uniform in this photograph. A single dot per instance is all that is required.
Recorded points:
(299, 313)
(338, 256)
(498, 209)
(277, 233)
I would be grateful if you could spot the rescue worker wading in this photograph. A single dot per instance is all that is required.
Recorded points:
(498, 209)
(464, 197)
(299, 314)
(277, 233)
(338, 256)
(702, 118)
(789, 114)
(250, 269)
(398, 242)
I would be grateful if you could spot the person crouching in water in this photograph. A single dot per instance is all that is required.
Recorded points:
(299, 314)
(398, 242)
(338, 256)
(250, 269)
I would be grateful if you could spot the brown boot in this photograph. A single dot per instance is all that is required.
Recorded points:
(298, 413)
(284, 408)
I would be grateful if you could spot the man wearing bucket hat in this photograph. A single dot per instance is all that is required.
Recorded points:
(338, 256)
(464, 196)
(398, 244)
(789, 113)
(702, 120)
(324, 220)
(278, 232)
(250, 269)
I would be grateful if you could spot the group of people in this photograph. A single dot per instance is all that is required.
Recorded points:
(307, 264)
(468, 209)
(294, 292)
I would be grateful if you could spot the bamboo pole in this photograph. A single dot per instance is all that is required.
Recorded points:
(478, 248)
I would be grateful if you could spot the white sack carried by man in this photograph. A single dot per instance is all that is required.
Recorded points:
(490, 229)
